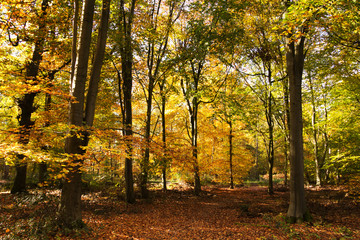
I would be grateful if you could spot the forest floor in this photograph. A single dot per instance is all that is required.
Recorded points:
(218, 213)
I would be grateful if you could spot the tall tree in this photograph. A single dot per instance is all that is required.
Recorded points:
(126, 51)
(195, 49)
(228, 108)
(156, 41)
(70, 205)
(162, 106)
(191, 92)
(26, 102)
(261, 53)
(295, 57)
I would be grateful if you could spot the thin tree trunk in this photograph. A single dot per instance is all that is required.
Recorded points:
(231, 154)
(271, 134)
(257, 175)
(194, 134)
(43, 164)
(326, 141)
(286, 162)
(97, 64)
(127, 65)
(164, 163)
(155, 54)
(315, 134)
(193, 106)
(163, 121)
(74, 41)
(146, 158)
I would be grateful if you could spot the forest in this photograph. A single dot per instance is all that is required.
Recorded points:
(179, 119)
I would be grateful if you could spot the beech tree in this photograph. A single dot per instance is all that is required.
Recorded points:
(70, 205)
(125, 27)
(194, 48)
(295, 57)
(156, 44)
(26, 102)
(229, 107)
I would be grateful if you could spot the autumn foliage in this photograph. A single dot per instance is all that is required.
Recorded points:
(128, 98)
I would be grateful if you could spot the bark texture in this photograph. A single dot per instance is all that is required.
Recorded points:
(297, 211)
(270, 122)
(126, 21)
(231, 136)
(70, 205)
(163, 133)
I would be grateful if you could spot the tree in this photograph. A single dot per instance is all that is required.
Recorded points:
(70, 205)
(318, 85)
(228, 107)
(190, 91)
(156, 45)
(26, 102)
(295, 58)
(163, 99)
(195, 50)
(126, 18)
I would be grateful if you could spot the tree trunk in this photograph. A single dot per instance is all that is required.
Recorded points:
(69, 213)
(146, 158)
(286, 128)
(257, 175)
(155, 54)
(20, 178)
(127, 63)
(326, 141)
(43, 165)
(194, 134)
(74, 41)
(286, 161)
(194, 125)
(315, 134)
(6, 168)
(26, 106)
(26, 103)
(191, 90)
(42, 172)
(231, 154)
(270, 122)
(97, 64)
(297, 211)
(197, 183)
(70, 206)
(163, 125)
